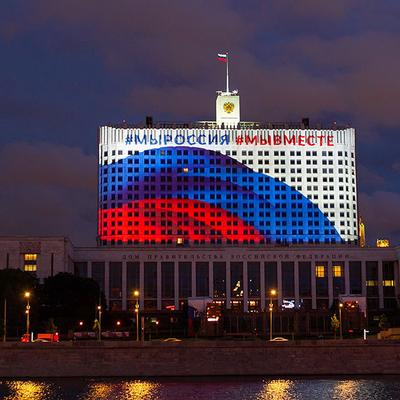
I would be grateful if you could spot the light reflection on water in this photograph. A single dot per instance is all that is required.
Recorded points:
(27, 390)
(202, 389)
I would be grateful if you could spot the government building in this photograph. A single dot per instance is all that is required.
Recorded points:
(224, 211)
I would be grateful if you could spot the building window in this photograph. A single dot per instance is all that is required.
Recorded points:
(320, 271)
(337, 271)
(388, 283)
(372, 283)
(30, 262)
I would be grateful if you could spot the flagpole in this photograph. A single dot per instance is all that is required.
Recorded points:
(227, 73)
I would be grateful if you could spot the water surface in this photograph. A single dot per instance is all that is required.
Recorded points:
(239, 388)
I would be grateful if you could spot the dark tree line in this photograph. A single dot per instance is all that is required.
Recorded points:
(57, 303)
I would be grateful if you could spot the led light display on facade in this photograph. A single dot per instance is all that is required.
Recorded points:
(226, 186)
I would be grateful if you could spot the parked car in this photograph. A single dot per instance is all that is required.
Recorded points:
(41, 337)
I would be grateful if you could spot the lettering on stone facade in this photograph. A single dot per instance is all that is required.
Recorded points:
(236, 257)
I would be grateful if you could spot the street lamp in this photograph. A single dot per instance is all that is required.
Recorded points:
(99, 311)
(340, 320)
(271, 307)
(136, 295)
(27, 295)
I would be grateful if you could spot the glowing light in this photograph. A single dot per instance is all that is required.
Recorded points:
(277, 389)
(100, 391)
(388, 283)
(320, 271)
(29, 390)
(347, 390)
(30, 262)
(337, 271)
(382, 243)
(140, 390)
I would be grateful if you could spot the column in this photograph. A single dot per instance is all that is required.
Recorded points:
(245, 288)
(313, 287)
(396, 278)
(262, 285)
(210, 279)
(228, 284)
(176, 284)
(89, 269)
(158, 285)
(107, 282)
(296, 284)
(279, 276)
(380, 283)
(330, 283)
(364, 278)
(141, 284)
(124, 277)
(193, 279)
(346, 278)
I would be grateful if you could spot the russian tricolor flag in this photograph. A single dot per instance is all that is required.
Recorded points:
(223, 57)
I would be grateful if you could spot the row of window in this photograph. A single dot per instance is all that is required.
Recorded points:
(179, 240)
(233, 282)
(30, 262)
(235, 153)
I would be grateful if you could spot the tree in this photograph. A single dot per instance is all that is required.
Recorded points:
(335, 323)
(13, 284)
(66, 299)
(383, 322)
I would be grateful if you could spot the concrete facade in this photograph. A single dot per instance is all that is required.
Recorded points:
(237, 276)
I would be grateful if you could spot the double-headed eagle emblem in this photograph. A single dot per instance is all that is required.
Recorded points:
(228, 107)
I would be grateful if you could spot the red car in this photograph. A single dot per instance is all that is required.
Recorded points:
(41, 337)
(26, 338)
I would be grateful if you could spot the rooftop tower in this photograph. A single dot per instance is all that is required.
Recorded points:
(227, 102)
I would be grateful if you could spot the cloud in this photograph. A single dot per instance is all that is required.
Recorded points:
(48, 190)
(381, 214)
(396, 166)
(71, 65)
(369, 179)
(302, 71)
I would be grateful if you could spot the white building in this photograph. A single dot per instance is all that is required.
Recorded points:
(254, 183)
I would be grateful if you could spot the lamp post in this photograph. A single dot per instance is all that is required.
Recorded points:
(5, 320)
(27, 310)
(340, 320)
(271, 308)
(99, 311)
(136, 295)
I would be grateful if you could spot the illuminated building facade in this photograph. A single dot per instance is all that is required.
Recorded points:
(226, 182)
(305, 277)
(226, 211)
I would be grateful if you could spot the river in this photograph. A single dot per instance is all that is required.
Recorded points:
(238, 388)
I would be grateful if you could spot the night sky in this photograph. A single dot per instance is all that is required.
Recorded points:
(67, 67)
